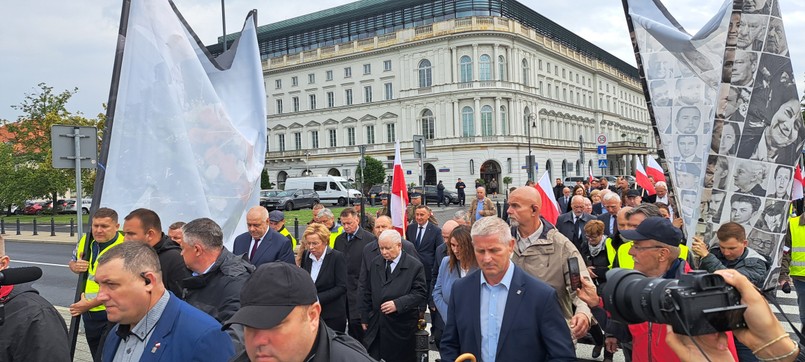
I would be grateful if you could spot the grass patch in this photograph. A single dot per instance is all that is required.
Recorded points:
(61, 219)
(305, 215)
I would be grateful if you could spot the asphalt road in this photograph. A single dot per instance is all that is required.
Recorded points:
(58, 283)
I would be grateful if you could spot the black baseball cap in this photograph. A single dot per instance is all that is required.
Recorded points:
(271, 293)
(633, 193)
(655, 228)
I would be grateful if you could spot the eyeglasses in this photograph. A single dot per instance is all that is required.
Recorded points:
(593, 237)
(641, 248)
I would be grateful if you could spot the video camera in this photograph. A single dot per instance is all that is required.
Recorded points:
(697, 303)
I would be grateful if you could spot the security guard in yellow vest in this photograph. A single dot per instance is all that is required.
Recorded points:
(793, 263)
(276, 220)
(327, 218)
(104, 236)
(629, 218)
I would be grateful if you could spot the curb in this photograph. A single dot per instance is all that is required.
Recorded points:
(64, 238)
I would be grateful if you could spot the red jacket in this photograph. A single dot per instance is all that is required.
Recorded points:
(659, 349)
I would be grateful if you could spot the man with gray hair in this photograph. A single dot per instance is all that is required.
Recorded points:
(571, 224)
(462, 217)
(391, 296)
(149, 318)
(218, 275)
(612, 204)
(500, 312)
(326, 217)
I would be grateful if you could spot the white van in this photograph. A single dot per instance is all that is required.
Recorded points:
(331, 189)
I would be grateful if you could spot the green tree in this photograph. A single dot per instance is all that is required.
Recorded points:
(375, 173)
(265, 182)
(30, 135)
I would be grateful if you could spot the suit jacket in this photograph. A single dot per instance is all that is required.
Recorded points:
(273, 247)
(427, 247)
(598, 209)
(565, 226)
(353, 255)
(564, 206)
(183, 333)
(605, 218)
(372, 251)
(488, 209)
(331, 283)
(533, 327)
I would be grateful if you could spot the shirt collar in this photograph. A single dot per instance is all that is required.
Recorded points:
(423, 226)
(507, 278)
(149, 322)
(397, 259)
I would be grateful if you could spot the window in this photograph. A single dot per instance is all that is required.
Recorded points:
(485, 65)
(526, 75)
(467, 122)
(333, 137)
(278, 83)
(314, 139)
(348, 97)
(466, 69)
(387, 65)
(428, 124)
(509, 165)
(487, 125)
(370, 134)
(312, 101)
(540, 87)
(367, 94)
(548, 67)
(328, 74)
(296, 104)
(281, 142)
(367, 69)
(564, 73)
(504, 121)
(279, 106)
(391, 134)
(330, 100)
(297, 140)
(311, 78)
(348, 72)
(502, 68)
(294, 81)
(351, 136)
(425, 78)
(539, 64)
(388, 91)
(556, 69)
(320, 186)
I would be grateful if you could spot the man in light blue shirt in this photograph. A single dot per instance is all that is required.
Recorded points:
(493, 306)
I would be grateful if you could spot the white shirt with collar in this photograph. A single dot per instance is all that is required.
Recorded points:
(315, 267)
(396, 261)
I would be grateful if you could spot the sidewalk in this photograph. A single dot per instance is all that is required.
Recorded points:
(43, 237)
(81, 348)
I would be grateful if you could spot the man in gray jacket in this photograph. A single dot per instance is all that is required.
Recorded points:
(732, 253)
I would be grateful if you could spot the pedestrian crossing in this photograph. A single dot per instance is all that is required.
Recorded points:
(788, 302)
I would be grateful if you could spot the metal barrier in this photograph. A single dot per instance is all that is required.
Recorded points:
(72, 231)
(18, 226)
(35, 233)
(52, 227)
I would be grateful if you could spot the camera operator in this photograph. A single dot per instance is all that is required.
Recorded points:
(764, 334)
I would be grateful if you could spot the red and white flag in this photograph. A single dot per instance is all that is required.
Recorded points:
(641, 178)
(590, 173)
(399, 194)
(655, 170)
(550, 207)
(799, 182)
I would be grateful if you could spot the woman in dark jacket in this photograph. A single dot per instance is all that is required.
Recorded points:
(328, 269)
(594, 252)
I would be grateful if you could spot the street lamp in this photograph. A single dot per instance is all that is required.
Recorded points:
(531, 121)
(307, 168)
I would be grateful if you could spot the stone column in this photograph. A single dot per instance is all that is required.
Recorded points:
(498, 124)
(477, 116)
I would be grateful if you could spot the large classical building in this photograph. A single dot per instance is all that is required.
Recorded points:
(484, 81)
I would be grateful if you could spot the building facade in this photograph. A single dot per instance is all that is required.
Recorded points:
(484, 81)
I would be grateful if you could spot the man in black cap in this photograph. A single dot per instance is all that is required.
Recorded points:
(634, 198)
(280, 315)
(276, 220)
(384, 210)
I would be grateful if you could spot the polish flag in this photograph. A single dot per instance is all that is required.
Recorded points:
(550, 208)
(655, 170)
(799, 181)
(590, 173)
(641, 178)
(399, 194)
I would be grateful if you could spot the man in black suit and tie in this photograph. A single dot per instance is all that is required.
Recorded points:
(351, 243)
(571, 224)
(426, 237)
(390, 301)
(612, 203)
(262, 244)
(564, 200)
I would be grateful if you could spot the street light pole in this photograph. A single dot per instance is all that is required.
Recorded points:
(530, 122)
(581, 154)
(307, 167)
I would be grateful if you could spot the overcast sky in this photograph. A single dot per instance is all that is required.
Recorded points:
(69, 44)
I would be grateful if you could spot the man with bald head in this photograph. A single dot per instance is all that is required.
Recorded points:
(542, 251)
(262, 244)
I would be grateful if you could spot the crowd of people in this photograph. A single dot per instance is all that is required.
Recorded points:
(355, 288)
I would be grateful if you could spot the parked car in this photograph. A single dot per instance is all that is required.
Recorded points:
(432, 196)
(35, 208)
(331, 189)
(377, 191)
(10, 210)
(291, 199)
(71, 207)
(264, 194)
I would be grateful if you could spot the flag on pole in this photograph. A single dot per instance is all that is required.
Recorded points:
(655, 170)
(399, 194)
(187, 133)
(641, 178)
(590, 173)
(550, 207)
(799, 182)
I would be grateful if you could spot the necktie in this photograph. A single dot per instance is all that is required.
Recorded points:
(254, 249)
(349, 237)
(388, 269)
(577, 232)
(419, 237)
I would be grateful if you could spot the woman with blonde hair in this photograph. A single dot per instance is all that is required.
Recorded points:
(328, 269)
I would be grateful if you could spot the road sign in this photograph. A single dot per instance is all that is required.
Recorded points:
(602, 150)
(602, 139)
(603, 164)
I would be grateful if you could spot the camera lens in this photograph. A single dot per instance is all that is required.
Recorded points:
(633, 298)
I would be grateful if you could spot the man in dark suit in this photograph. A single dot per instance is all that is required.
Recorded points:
(564, 200)
(181, 332)
(571, 224)
(612, 203)
(528, 324)
(262, 244)
(351, 243)
(426, 236)
(390, 306)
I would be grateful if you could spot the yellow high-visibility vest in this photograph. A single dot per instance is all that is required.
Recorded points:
(287, 234)
(334, 235)
(91, 289)
(797, 267)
